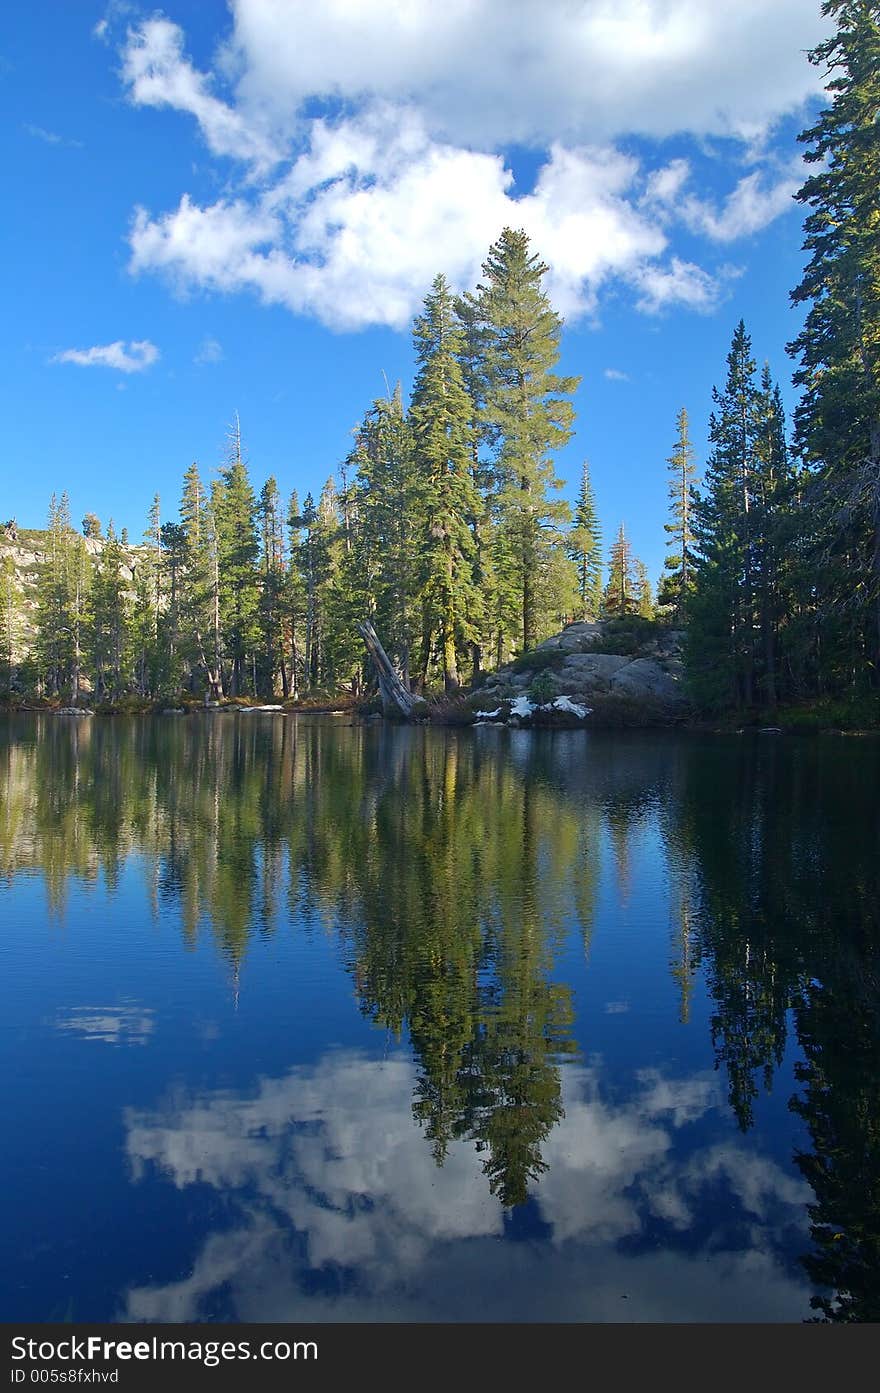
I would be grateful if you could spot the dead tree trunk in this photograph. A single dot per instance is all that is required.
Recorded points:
(395, 696)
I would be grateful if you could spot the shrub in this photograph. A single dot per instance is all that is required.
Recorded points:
(627, 635)
(539, 660)
(844, 713)
(543, 689)
(613, 712)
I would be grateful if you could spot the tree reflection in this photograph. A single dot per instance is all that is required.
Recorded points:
(783, 850)
(450, 866)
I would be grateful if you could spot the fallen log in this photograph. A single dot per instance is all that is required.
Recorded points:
(395, 697)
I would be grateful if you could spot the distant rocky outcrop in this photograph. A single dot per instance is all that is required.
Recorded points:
(26, 549)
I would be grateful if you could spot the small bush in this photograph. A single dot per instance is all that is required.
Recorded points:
(613, 712)
(129, 705)
(543, 689)
(539, 660)
(627, 635)
(845, 713)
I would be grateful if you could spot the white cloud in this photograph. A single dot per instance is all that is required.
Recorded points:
(157, 74)
(100, 30)
(491, 72)
(51, 137)
(364, 218)
(666, 183)
(132, 357)
(755, 201)
(209, 351)
(679, 283)
(348, 218)
(615, 375)
(751, 206)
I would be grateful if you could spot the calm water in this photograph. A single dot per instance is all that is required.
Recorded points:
(305, 1021)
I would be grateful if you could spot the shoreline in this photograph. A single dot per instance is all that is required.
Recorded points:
(788, 721)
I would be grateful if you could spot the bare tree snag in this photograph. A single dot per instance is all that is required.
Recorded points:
(395, 696)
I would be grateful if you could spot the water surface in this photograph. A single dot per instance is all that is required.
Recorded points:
(308, 1021)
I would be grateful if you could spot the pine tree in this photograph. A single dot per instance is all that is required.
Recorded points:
(272, 580)
(676, 583)
(326, 544)
(774, 496)
(174, 559)
(147, 606)
(200, 610)
(526, 411)
(78, 583)
(391, 507)
(294, 597)
(472, 358)
(10, 625)
(306, 561)
(110, 621)
(721, 643)
(644, 593)
(235, 512)
(56, 595)
(620, 593)
(838, 418)
(585, 549)
(441, 423)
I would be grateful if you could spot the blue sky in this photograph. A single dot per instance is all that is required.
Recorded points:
(215, 208)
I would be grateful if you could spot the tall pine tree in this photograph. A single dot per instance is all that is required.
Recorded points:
(527, 411)
(838, 417)
(621, 594)
(441, 421)
(235, 510)
(584, 543)
(676, 584)
(722, 632)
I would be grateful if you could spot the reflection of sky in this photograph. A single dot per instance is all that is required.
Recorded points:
(338, 1211)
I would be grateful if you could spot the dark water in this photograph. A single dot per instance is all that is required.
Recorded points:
(304, 1021)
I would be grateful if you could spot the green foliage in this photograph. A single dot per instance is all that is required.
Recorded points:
(614, 712)
(542, 689)
(526, 415)
(10, 627)
(539, 660)
(235, 510)
(621, 593)
(677, 580)
(838, 417)
(854, 713)
(644, 593)
(628, 635)
(584, 546)
(441, 421)
(740, 604)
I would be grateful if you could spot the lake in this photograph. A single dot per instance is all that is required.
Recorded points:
(307, 1021)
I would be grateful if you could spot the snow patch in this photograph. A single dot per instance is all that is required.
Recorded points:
(564, 703)
(486, 715)
(522, 707)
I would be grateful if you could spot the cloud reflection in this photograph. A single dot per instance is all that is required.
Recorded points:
(114, 1025)
(340, 1213)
